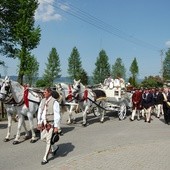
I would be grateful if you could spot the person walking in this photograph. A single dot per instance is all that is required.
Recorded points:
(159, 103)
(136, 104)
(147, 103)
(166, 105)
(49, 123)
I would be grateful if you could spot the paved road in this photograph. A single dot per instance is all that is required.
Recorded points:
(113, 145)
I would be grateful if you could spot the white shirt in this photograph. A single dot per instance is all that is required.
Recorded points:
(42, 113)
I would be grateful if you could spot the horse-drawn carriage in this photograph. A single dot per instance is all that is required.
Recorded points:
(117, 99)
(96, 99)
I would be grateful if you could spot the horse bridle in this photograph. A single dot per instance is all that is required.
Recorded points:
(8, 99)
(8, 90)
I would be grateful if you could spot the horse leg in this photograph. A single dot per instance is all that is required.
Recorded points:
(31, 122)
(70, 115)
(102, 113)
(20, 123)
(9, 127)
(85, 116)
(26, 131)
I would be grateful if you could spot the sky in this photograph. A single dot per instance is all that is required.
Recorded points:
(125, 29)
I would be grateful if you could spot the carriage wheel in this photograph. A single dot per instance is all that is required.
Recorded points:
(122, 111)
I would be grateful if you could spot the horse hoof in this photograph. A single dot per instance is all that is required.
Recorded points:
(84, 124)
(102, 121)
(16, 142)
(6, 140)
(33, 141)
(68, 122)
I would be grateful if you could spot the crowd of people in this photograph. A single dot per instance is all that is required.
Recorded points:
(147, 102)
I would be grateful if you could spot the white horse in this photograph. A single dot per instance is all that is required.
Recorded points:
(68, 100)
(24, 103)
(90, 99)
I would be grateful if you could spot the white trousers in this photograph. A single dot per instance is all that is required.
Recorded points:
(134, 113)
(159, 108)
(46, 136)
(148, 114)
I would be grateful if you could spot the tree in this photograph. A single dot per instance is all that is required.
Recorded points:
(31, 74)
(166, 66)
(52, 68)
(152, 82)
(84, 77)
(19, 36)
(134, 71)
(102, 69)
(74, 65)
(118, 69)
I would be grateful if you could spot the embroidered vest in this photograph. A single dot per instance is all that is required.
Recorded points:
(49, 109)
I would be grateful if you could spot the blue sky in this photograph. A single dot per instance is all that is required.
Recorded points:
(125, 29)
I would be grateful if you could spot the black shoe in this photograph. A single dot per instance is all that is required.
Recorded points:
(53, 153)
(44, 162)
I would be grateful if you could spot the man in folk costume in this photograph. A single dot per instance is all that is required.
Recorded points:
(166, 105)
(48, 122)
(136, 104)
(147, 103)
(159, 103)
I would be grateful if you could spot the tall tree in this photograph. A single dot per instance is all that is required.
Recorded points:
(134, 72)
(74, 65)
(118, 69)
(31, 74)
(19, 36)
(52, 67)
(102, 69)
(166, 66)
(84, 77)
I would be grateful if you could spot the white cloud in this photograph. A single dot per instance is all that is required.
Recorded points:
(47, 12)
(167, 44)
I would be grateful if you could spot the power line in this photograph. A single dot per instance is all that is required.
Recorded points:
(99, 24)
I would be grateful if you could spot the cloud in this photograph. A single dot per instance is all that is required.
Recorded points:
(47, 12)
(167, 44)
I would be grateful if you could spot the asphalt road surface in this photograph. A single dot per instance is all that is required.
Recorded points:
(113, 145)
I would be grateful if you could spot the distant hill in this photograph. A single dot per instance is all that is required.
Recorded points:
(62, 79)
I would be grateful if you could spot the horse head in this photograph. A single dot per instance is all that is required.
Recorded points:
(76, 86)
(5, 89)
(11, 89)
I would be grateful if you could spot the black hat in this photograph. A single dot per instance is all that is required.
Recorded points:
(54, 138)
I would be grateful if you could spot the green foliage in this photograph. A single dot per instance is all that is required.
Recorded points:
(118, 69)
(166, 66)
(102, 69)
(41, 83)
(52, 68)
(31, 73)
(152, 81)
(19, 36)
(74, 65)
(84, 77)
(134, 72)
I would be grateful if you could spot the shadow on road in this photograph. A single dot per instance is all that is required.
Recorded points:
(64, 149)
(3, 126)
